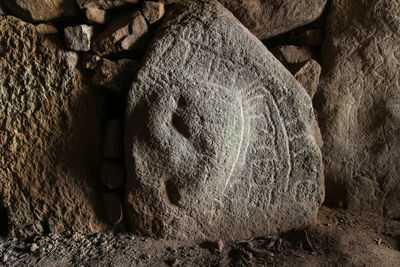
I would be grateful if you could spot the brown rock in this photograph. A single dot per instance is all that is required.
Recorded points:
(360, 113)
(78, 38)
(291, 54)
(113, 175)
(51, 141)
(122, 34)
(46, 28)
(116, 75)
(104, 4)
(308, 76)
(95, 16)
(312, 37)
(153, 11)
(113, 208)
(90, 61)
(42, 10)
(267, 18)
(113, 139)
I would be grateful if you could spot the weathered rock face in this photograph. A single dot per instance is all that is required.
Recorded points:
(50, 148)
(42, 10)
(267, 18)
(360, 112)
(104, 4)
(218, 135)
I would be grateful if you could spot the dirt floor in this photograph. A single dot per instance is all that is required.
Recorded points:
(338, 239)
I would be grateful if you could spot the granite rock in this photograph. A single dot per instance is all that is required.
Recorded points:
(359, 112)
(219, 139)
(51, 141)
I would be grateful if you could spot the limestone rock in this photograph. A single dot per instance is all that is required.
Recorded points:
(113, 208)
(219, 136)
(360, 113)
(113, 139)
(113, 175)
(116, 75)
(291, 54)
(42, 10)
(104, 4)
(78, 38)
(122, 34)
(308, 74)
(95, 16)
(46, 28)
(267, 18)
(50, 144)
(153, 11)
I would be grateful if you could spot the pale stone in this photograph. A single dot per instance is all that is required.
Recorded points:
(219, 136)
(360, 113)
(79, 37)
(46, 28)
(308, 74)
(153, 11)
(95, 16)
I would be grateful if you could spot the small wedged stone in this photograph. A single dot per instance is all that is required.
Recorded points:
(43, 10)
(122, 34)
(79, 37)
(113, 175)
(219, 136)
(114, 75)
(104, 4)
(113, 207)
(308, 73)
(46, 28)
(292, 54)
(113, 139)
(311, 37)
(90, 61)
(95, 16)
(153, 11)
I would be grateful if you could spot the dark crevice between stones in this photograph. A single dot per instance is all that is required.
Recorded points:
(172, 193)
(3, 221)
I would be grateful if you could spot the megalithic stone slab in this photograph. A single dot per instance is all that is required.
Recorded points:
(359, 113)
(219, 135)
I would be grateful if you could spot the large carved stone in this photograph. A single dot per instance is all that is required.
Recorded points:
(219, 136)
(50, 136)
(360, 112)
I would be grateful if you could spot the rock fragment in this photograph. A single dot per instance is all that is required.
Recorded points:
(122, 34)
(46, 28)
(269, 18)
(95, 15)
(308, 74)
(79, 37)
(113, 175)
(219, 139)
(311, 37)
(291, 54)
(360, 114)
(90, 61)
(153, 11)
(112, 142)
(116, 75)
(104, 4)
(43, 10)
(113, 208)
(51, 136)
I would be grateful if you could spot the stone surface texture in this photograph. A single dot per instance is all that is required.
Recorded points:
(95, 16)
(42, 10)
(78, 38)
(308, 73)
(153, 11)
(267, 18)
(359, 112)
(46, 28)
(104, 4)
(50, 141)
(121, 34)
(219, 136)
(292, 54)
